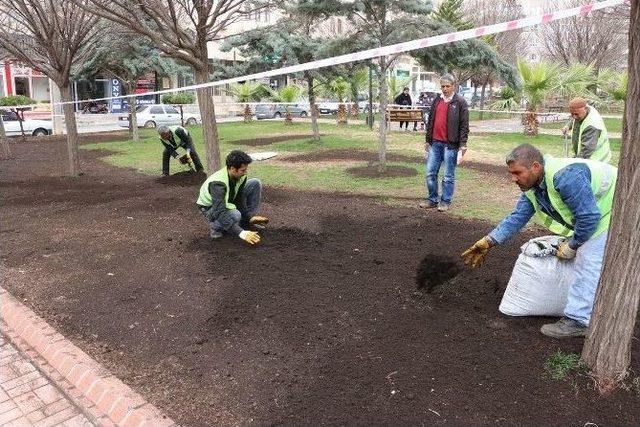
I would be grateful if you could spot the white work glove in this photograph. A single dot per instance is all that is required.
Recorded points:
(250, 237)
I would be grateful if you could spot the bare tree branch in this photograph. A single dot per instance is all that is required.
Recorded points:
(53, 36)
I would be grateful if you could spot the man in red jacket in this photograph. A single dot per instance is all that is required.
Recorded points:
(447, 132)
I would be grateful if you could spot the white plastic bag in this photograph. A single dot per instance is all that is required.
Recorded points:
(540, 282)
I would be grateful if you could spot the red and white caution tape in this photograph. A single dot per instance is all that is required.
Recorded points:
(397, 48)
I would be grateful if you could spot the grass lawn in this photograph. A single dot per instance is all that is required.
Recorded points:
(613, 125)
(478, 194)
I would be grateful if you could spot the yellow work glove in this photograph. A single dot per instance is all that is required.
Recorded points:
(258, 220)
(474, 256)
(564, 251)
(250, 237)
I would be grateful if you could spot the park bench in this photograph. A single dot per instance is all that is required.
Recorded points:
(404, 115)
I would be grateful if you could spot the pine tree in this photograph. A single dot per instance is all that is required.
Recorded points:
(295, 40)
(378, 23)
(451, 12)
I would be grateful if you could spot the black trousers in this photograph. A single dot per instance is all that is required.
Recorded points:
(166, 156)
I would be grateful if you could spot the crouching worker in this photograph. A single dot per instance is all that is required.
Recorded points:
(572, 198)
(229, 201)
(173, 137)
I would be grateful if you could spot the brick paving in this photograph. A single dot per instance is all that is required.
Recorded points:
(28, 397)
(45, 380)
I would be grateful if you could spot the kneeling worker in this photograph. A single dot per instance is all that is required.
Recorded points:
(572, 198)
(229, 201)
(173, 137)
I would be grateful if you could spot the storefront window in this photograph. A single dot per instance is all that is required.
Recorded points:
(22, 86)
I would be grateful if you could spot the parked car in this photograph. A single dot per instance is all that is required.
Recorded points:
(31, 126)
(266, 111)
(331, 107)
(154, 115)
(467, 94)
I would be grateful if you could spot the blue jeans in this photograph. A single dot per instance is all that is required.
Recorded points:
(587, 267)
(441, 152)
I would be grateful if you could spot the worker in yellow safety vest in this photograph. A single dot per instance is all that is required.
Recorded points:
(229, 201)
(589, 137)
(573, 199)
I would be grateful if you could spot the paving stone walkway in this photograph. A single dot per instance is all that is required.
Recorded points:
(30, 398)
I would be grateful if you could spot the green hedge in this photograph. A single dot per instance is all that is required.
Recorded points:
(178, 98)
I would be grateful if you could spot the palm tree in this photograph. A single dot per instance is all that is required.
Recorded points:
(396, 84)
(247, 92)
(542, 79)
(289, 93)
(358, 82)
(538, 81)
(613, 85)
(339, 88)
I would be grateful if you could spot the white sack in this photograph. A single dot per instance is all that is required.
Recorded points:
(540, 281)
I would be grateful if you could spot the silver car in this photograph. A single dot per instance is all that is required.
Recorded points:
(276, 111)
(154, 115)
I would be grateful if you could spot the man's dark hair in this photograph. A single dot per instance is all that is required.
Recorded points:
(406, 88)
(525, 154)
(237, 158)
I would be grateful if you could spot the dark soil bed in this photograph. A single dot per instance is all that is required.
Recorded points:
(257, 142)
(118, 135)
(372, 171)
(321, 323)
(349, 155)
(371, 156)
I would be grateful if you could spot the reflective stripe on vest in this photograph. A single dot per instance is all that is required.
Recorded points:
(603, 182)
(602, 151)
(204, 198)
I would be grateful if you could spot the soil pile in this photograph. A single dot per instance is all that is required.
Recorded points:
(435, 270)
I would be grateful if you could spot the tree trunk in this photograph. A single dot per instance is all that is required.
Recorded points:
(135, 131)
(312, 107)
(355, 112)
(382, 134)
(481, 115)
(288, 120)
(607, 349)
(209, 126)
(21, 122)
(133, 114)
(5, 153)
(72, 130)
(530, 123)
(475, 94)
(248, 114)
(56, 109)
(342, 114)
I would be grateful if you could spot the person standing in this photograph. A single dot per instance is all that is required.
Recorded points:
(173, 137)
(404, 99)
(447, 132)
(589, 137)
(229, 201)
(573, 199)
